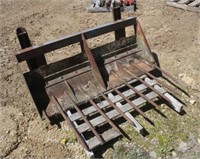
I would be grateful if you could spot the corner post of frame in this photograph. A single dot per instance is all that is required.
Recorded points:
(120, 33)
(25, 42)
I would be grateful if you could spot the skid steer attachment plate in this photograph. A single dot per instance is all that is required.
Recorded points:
(93, 89)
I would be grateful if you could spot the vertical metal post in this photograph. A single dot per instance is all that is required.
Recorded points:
(120, 33)
(25, 42)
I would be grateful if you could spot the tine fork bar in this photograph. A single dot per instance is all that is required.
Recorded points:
(89, 124)
(70, 123)
(85, 119)
(115, 107)
(105, 116)
(156, 79)
(102, 113)
(128, 101)
(149, 86)
(167, 74)
(136, 91)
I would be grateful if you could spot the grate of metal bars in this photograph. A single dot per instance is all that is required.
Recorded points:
(94, 121)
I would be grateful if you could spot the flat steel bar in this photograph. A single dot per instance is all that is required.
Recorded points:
(49, 46)
(128, 101)
(105, 116)
(148, 85)
(156, 79)
(77, 134)
(166, 73)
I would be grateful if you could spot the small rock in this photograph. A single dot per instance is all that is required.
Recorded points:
(198, 140)
(20, 114)
(174, 154)
(162, 105)
(153, 154)
(8, 132)
(192, 102)
(7, 60)
(182, 147)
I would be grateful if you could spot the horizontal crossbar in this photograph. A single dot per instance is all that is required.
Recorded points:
(34, 51)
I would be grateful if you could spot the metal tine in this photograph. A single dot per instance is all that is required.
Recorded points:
(88, 152)
(77, 134)
(102, 113)
(156, 79)
(136, 91)
(115, 107)
(142, 95)
(149, 86)
(128, 101)
(167, 74)
(105, 116)
(86, 121)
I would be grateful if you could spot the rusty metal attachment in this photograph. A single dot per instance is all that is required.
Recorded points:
(98, 86)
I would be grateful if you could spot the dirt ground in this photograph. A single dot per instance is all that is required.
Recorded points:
(172, 33)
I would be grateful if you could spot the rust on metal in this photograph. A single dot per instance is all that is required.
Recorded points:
(156, 79)
(26, 43)
(85, 119)
(93, 63)
(146, 84)
(169, 75)
(115, 107)
(49, 46)
(102, 113)
(99, 85)
(119, 33)
(136, 91)
(70, 123)
(141, 37)
(129, 102)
